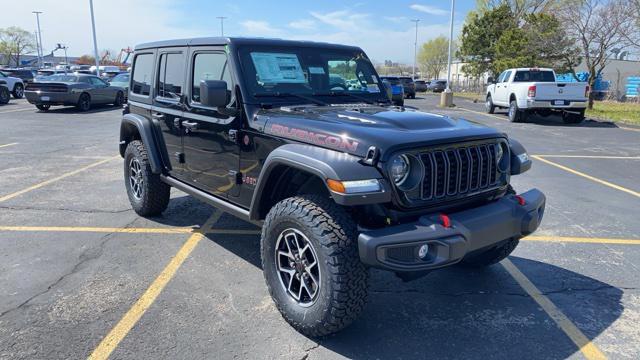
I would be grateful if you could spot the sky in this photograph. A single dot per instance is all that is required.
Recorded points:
(381, 27)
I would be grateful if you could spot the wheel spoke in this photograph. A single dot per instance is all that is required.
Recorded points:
(297, 266)
(287, 254)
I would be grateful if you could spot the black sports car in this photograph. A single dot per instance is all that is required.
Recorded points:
(78, 90)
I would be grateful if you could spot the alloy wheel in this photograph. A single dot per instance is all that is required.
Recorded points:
(297, 266)
(136, 181)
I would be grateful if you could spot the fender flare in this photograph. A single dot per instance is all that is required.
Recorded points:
(323, 163)
(145, 129)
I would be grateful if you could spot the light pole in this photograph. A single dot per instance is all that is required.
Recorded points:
(38, 38)
(415, 48)
(221, 24)
(446, 99)
(95, 42)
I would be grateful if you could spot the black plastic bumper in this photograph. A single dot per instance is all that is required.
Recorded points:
(397, 247)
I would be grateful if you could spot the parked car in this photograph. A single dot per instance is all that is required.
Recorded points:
(26, 75)
(81, 91)
(122, 81)
(421, 85)
(409, 87)
(5, 94)
(14, 84)
(437, 86)
(534, 90)
(338, 179)
(394, 88)
(42, 73)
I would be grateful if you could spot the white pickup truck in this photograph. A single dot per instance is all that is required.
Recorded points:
(14, 84)
(534, 90)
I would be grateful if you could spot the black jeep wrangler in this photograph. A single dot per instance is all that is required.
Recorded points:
(301, 138)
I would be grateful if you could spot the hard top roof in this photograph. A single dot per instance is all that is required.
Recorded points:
(239, 41)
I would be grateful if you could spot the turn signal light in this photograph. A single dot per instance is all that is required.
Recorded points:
(336, 186)
(532, 91)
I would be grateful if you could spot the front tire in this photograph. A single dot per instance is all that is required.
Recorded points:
(148, 195)
(84, 102)
(119, 100)
(43, 107)
(492, 256)
(311, 264)
(18, 91)
(5, 95)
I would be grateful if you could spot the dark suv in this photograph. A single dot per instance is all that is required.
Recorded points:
(409, 87)
(339, 179)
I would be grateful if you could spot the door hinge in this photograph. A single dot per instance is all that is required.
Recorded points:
(180, 157)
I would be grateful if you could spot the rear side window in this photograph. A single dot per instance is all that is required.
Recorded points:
(532, 75)
(171, 75)
(142, 73)
(209, 66)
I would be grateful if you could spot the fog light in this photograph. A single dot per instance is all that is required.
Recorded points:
(423, 251)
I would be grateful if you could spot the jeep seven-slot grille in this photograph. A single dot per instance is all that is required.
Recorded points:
(466, 170)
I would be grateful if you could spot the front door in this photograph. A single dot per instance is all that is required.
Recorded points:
(501, 93)
(167, 106)
(210, 147)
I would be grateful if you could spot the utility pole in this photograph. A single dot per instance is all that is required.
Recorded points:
(95, 42)
(446, 99)
(415, 49)
(221, 24)
(38, 39)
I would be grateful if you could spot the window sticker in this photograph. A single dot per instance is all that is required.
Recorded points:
(278, 68)
(319, 70)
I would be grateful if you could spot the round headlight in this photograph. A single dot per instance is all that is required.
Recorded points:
(501, 159)
(399, 168)
(499, 153)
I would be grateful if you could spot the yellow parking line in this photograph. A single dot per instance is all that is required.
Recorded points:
(96, 229)
(590, 157)
(129, 320)
(6, 145)
(606, 183)
(57, 178)
(585, 240)
(588, 349)
(626, 128)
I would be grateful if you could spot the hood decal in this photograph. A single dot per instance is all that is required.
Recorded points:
(335, 142)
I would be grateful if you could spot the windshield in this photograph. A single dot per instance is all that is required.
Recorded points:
(61, 77)
(534, 75)
(287, 72)
(122, 78)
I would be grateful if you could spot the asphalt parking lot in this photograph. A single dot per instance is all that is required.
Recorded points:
(81, 274)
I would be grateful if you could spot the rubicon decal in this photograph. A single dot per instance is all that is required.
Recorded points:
(336, 142)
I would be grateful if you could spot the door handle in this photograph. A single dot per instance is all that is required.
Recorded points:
(158, 116)
(190, 125)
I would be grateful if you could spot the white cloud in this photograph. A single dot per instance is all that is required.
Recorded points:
(396, 19)
(303, 24)
(431, 10)
(260, 28)
(342, 19)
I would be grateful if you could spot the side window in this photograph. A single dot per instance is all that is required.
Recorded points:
(209, 66)
(142, 73)
(97, 82)
(506, 76)
(171, 76)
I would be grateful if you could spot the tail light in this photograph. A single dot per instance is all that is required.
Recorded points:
(586, 91)
(532, 91)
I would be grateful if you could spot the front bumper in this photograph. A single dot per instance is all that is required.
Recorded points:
(396, 247)
(51, 98)
(555, 105)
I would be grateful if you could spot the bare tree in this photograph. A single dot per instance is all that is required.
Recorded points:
(15, 42)
(597, 27)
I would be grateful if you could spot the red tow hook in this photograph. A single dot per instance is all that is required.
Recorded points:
(446, 222)
(520, 200)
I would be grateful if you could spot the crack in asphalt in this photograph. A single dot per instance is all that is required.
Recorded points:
(309, 350)
(84, 257)
(87, 211)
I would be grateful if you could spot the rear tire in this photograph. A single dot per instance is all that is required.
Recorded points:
(84, 102)
(18, 91)
(491, 256)
(515, 114)
(5, 95)
(148, 195)
(43, 107)
(488, 104)
(573, 118)
(341, 278)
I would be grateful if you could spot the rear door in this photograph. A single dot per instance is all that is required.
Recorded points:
(167, 107)
(210, 147)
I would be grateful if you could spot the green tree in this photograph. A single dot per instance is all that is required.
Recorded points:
(15, 42)
(480, 34)
(432, 57)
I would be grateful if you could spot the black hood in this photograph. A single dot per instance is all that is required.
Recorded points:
(354, 129)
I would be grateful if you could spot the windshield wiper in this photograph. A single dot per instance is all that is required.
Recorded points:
(361, 98)
(286, 94)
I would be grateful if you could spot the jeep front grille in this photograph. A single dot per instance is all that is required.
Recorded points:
(459, 171)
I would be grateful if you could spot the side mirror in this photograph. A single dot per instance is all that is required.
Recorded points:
(491, 80)
(213, 93)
